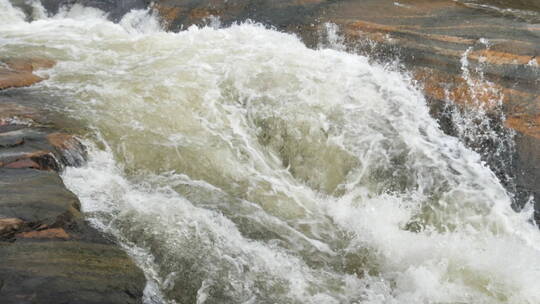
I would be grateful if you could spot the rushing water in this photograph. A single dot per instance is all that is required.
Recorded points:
(238, 166)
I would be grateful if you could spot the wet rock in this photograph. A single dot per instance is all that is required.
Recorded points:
(28, 64)
(528, 163)
(63, 141)
(24, 164)
(64, 271)
(36, 197)
(34, 151)
(26, 134)
(41, 201)
(17, 72)
(10, 142)
(52, 233)
(45, 160)
(31, 146)
(49, 254)
(15, 79)
(526, 5)
(115, 9)
(526, 124)
(10, 225)
(285, 15)
(68, 148)
(14, 114)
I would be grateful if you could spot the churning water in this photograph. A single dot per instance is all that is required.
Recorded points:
(238, 166)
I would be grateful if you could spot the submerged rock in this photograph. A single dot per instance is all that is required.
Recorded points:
(14, 79)
(28, 64)
(18, 72)
(12, 114)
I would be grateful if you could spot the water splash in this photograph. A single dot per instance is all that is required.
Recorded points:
(479, 122)
(331, 38)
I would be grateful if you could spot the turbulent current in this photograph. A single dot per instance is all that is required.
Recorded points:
(236, 165)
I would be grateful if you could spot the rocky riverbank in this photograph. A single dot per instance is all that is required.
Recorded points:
(49, 253)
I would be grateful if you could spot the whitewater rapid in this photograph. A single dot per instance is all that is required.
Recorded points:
(236, 165)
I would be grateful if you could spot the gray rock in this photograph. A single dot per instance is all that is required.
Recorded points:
(67, 272)
(49, 254)
(115, 9)
(36, 197)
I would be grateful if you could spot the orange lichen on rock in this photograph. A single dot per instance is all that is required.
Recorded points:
(168, 13)
(526, 124)
(371, 26)
(62, 141)
(497, 57)
(53, 233)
